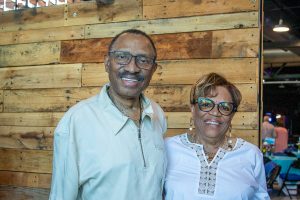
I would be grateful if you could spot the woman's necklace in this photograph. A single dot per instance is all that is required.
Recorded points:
(134, 116)
(226, 144)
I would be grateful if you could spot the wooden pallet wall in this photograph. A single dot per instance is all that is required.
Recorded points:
(52, 57)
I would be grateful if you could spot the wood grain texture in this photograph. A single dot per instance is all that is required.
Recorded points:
(1, 101)
(241, 120)
(177, 46)
(23, 179)
(42, 35)
(184, 45)
(70, 14)
(20, 137)
(170, 98)
(94, 74)
(36, 119)
(177, 25)
(215, 44)
(91, 13)
(38, 161)
(23, 193)
(235, 43)
(167, 9)
(29, 54)
(238, 70)
(84, 51)
(45, 100)
(48, 76)
(34, 18)
(249, 135)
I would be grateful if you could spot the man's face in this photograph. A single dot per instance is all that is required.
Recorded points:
(129, 80)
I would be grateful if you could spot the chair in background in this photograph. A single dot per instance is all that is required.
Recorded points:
(290, 178)
(279, 154)
(272, 171)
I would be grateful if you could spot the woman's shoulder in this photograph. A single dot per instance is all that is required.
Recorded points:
(176, 149)
(249, 147)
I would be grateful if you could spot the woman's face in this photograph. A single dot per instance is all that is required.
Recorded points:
(213, 124)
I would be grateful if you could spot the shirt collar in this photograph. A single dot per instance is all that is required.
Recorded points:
(115, 119)
(147, 108)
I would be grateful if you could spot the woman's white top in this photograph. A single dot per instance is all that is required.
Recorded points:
(232, 175)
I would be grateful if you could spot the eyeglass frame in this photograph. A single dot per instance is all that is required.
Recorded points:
(135, 59)
(234, 108)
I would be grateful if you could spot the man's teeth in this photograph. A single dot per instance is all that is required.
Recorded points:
(212, 123)
(129, 79)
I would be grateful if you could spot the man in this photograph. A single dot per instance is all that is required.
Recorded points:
(111, 145)
(268, 129)
(282, 136)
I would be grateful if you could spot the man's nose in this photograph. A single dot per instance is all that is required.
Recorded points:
(132, 66)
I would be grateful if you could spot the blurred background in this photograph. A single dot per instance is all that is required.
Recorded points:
(281, 91)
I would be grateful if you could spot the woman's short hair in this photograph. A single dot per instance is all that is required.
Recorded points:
(208, 83)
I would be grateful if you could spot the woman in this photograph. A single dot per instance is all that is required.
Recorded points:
(208, 164)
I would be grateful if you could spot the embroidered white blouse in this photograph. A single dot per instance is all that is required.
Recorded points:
(231, 175)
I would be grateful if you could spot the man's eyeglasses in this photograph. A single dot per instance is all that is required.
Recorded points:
(124, 58)
(225, 108)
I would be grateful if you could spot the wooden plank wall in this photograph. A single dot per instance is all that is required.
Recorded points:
(52, 57)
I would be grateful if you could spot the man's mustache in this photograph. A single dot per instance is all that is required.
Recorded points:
(129, 75)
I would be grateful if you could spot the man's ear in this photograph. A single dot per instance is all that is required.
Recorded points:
(106, 63)
(154, 67)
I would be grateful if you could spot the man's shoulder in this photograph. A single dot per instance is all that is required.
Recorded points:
(82, 108)
(268, 124)
(156, 114)
(83, 105)
(78, 111)
(155, 106)
(96, 101)
(157, 110)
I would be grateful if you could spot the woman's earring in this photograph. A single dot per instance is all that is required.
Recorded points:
(230, 139)
(191, 124)
(230, 127)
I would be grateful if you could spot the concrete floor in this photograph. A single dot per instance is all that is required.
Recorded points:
(274, 195)
(283, 197)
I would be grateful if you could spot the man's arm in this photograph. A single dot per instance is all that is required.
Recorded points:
(64, 184)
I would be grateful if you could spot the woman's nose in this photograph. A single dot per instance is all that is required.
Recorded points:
(215, 111)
